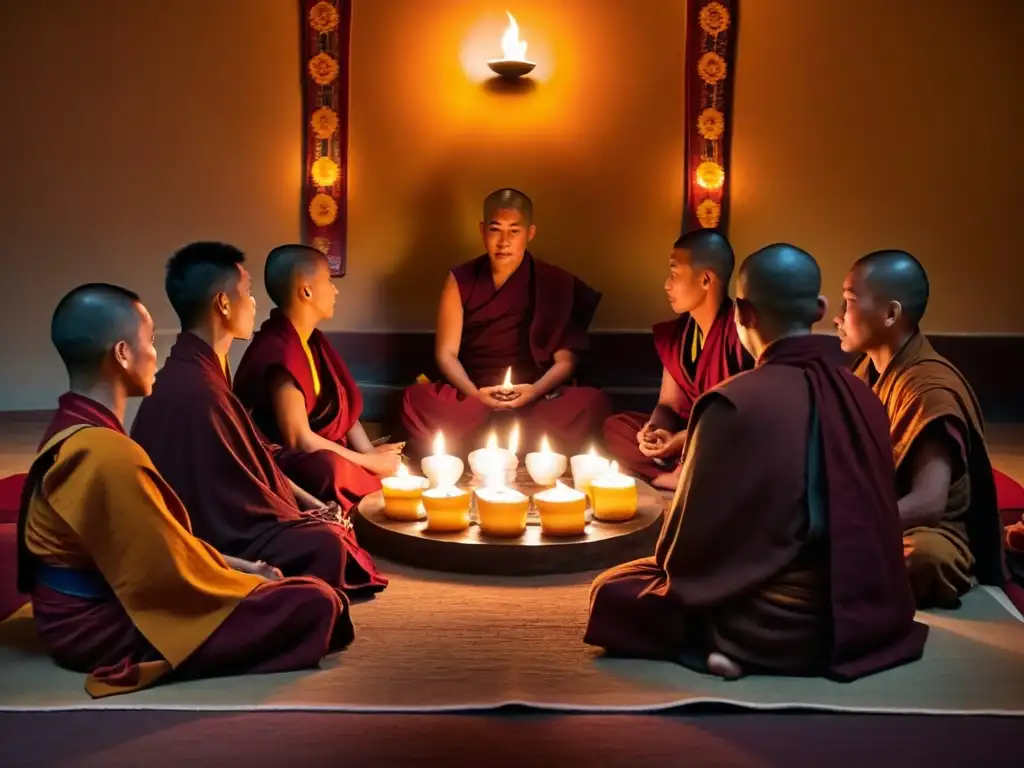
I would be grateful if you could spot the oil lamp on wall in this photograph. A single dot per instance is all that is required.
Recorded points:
(513, 64)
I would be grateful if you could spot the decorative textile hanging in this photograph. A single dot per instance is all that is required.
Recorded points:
(326, 28)
(711, 27)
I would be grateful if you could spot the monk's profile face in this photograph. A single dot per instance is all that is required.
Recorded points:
(506, 236)
(240, 306)
(862, 319)
(686, 287)
(322, 292)
(136, 357)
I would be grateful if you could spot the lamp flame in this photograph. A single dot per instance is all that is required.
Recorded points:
(402, 471)
(545, 446)
(492, 441)
(439, 448)
(507, 384)
(613, 468)
(512, 47)
(513, 439)
(592, 451)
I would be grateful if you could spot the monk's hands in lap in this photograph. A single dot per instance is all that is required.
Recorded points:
(382, 463)
(486, 395)
(259, 568)
(660, 443)
(396, 448)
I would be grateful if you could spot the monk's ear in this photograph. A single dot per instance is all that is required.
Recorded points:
(531, 232)
(893, 313)
(822, 308)
(222, 303)
(122, 354)
(745, 314)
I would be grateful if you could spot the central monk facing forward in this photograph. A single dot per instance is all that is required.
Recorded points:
(504, 310)
(794, 563)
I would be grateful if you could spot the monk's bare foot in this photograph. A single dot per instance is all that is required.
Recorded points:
(723, 666)
(668, 481)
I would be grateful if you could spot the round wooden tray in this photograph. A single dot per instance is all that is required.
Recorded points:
(602, 545)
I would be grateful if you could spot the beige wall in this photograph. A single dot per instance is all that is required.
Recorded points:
(131, 128)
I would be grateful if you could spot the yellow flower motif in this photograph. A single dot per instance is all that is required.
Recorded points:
(324, 122)
(711, 124)
(323, 69)
(714, 18)
(323, 17)
(709, 213)
(710, 175)
(323, 210)
(322, 244)
(711, 68)
(325, 172)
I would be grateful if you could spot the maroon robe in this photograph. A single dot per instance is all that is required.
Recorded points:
(720, 357)
(539, 310)
(782, 548)
(275, 347)
(204, 444)
(281, 626)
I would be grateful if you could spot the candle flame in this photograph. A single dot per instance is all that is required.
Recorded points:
(439, 448)
(613, 468)
(513, 439)
(492, 441)
(512, 47)
(592, 451)
(402, 471)
(507, 384)
(545, 446)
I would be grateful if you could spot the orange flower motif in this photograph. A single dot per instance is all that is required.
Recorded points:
(711, 124)
(322, 244)
(324, 122)
(323, 17)
(711, 68)
(709, 213)
(323, 69)
(710, 175)
(323, 210)
(714, 18)
(325, 172)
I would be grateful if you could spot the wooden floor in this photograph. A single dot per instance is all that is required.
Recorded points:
(20, 434)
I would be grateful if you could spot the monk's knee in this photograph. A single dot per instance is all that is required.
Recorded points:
(324, 611)
(936, 569)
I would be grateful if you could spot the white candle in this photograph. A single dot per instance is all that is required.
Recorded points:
(441, 469)
(450, 492)
(585, 466)
(482, 461)
(403, 481)
(544, 466)
(612, 478)
(500, 494)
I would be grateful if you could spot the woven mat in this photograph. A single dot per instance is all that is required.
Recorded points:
(435, 642)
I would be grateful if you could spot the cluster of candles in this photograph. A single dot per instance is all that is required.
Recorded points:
(501, 508)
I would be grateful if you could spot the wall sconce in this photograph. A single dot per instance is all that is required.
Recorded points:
(514, 63)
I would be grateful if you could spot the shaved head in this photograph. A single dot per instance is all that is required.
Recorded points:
(783, 284)
(196, 274)
(710, 250)
(89, 321)
(508, 200)
(896, 276)
(287, 264)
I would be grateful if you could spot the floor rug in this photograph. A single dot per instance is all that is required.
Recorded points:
(439, 643)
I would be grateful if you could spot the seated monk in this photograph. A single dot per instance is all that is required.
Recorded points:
(504, 310)
(951, 527)
(203, 443)
(787, 493)
(699, 350)
(299, 390)
(120, 587)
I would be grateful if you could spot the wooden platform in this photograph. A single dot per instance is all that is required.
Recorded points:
(602, 545)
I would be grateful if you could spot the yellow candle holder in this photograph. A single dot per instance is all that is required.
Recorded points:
(503, 519)
(613, 503)
(562, 518)
(402, 504)
(448, 512)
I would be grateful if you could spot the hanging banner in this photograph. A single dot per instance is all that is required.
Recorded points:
(326, 28)
(710, 72)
